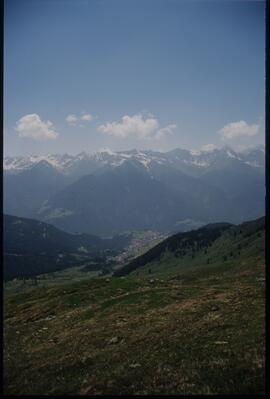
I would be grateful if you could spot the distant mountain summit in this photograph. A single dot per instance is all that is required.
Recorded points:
(25, 192)
(110, 192)
(196, 162)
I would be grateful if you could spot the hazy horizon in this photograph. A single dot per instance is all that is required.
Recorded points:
(203, 149)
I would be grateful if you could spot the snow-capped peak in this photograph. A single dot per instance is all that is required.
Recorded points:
(208, 148)
(195, 152)
(86, 162)
(106, 150)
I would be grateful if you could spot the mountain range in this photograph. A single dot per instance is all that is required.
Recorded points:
(106, 193)
(190, 161)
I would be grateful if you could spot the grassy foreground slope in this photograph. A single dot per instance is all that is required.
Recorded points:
(194, 331)
(214, 245)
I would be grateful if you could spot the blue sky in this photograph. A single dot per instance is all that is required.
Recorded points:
(81, 75)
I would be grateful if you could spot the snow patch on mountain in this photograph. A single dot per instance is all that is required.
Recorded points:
(253, 163)
(105, 157)
(196, 162)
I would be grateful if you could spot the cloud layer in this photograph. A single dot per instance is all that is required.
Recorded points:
(136, 126)
(74, 120)
(32, 126)
(238, 129)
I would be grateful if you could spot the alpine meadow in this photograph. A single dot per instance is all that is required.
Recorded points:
(134, 197)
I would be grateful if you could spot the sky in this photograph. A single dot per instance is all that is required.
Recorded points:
(83, 75)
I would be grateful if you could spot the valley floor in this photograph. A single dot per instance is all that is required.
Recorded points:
(189, 333)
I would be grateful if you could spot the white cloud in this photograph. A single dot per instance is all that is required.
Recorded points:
(71, 119)
(137, 126)
(208, 147)
(33, 127)
(87, 117)
(238, 129)
(131, 126)
(167, 130)
(74, 120)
